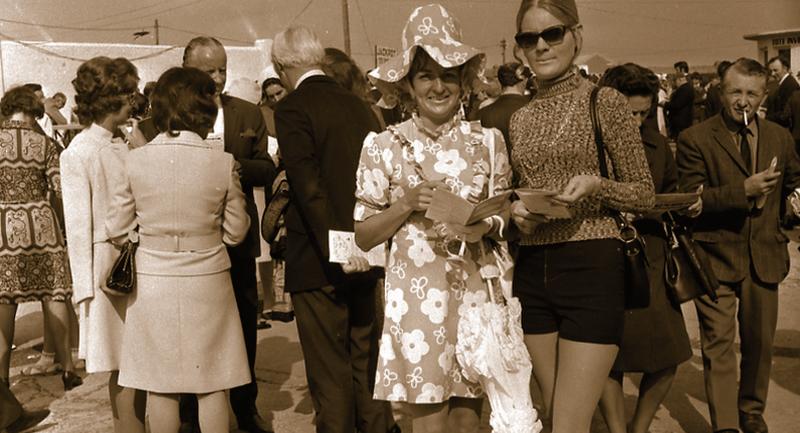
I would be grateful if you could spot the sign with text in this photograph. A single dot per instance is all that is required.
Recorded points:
(789, 40)
(383, 54)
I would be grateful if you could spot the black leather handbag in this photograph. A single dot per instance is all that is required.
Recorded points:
(122, 279)
(637, 282)
(688, 272)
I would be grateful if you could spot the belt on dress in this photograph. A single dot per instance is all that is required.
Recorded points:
(177, 243)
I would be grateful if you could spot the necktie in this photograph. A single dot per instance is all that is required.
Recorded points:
(744, 149)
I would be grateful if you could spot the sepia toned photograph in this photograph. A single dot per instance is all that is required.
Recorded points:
(400, 216)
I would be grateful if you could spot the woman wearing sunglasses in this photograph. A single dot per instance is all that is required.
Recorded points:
(569, 274)
(433, 271)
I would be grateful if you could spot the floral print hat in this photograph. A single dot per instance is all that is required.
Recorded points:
(434, 30)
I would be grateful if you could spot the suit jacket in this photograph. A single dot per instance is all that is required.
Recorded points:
(660, 159)
(777, 112)
(179, 187)
(498, 114)
(792, 113)
(246, 139)
(680, 109)
(730, 230)
(321, 128)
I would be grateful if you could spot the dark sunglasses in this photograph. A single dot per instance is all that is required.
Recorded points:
(552, 35)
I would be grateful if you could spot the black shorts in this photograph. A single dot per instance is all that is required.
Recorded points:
(573, 288)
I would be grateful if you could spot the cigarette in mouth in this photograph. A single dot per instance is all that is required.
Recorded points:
(745, 115)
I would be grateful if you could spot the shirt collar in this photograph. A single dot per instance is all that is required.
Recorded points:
(309, 74)
(735, 128)
(783, 78)
(100, 132)
(184, 137)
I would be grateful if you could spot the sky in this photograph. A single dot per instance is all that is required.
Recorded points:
(648, 32)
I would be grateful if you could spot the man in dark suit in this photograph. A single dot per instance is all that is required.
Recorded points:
(13, 418)
(680, 106)
(787, 85)
(512, 78)
(739, 229)
(240, 128)
(321, 127)
(793, 114)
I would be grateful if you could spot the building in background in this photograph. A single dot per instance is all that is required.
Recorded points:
(785, 43)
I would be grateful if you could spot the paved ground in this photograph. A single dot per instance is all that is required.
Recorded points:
(284, 398)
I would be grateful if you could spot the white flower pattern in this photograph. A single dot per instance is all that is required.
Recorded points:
(414, 346)
(449, 163)
(396, 306)
(423, 292)
(435, 305)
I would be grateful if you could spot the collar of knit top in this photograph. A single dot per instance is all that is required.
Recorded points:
(567, 83)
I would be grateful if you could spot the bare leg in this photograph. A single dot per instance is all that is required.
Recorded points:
(612, 403)
(652, 390)
(74, 333)
(59, 328)
(8, 313)
(162, 412)
(47, 335)
(544, 349)
(465, 415)
(127, 406)
(582, 372)
(213, 412)
(428, 418)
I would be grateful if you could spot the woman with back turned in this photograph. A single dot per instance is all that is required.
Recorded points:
(184, 200)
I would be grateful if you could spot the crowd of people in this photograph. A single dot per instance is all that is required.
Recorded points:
(173, 169)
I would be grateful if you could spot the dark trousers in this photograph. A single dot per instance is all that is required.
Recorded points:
(243, 275)
(757, 314)
(338, 337)
(10, 409)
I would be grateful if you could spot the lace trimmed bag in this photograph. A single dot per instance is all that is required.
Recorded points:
(490, 347)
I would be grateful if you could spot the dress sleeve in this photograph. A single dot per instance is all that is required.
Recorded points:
(77, 196)
(373, 177)
(235, 221)
(631, 187)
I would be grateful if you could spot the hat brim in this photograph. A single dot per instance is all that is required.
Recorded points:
(388, 75)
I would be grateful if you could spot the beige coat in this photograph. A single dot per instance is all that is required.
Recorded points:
(91, 161)
(182, 330)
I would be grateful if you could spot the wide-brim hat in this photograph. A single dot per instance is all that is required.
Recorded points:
(433, 29)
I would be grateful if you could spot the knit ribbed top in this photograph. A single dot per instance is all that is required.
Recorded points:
(552, 141)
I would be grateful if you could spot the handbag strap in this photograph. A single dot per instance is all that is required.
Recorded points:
(598, 132)
(627, 230)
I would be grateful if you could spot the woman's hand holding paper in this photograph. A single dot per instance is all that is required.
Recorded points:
(524, 220)
(578, 188)
(420, 197)
(470, 233)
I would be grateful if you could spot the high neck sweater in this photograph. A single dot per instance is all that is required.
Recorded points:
(553, 141)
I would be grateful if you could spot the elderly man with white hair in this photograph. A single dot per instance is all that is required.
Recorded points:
(320, 128)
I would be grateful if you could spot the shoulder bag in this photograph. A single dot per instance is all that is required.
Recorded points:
(637, 282)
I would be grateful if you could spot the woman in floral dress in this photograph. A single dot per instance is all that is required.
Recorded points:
(431, 276)
(33, 258)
